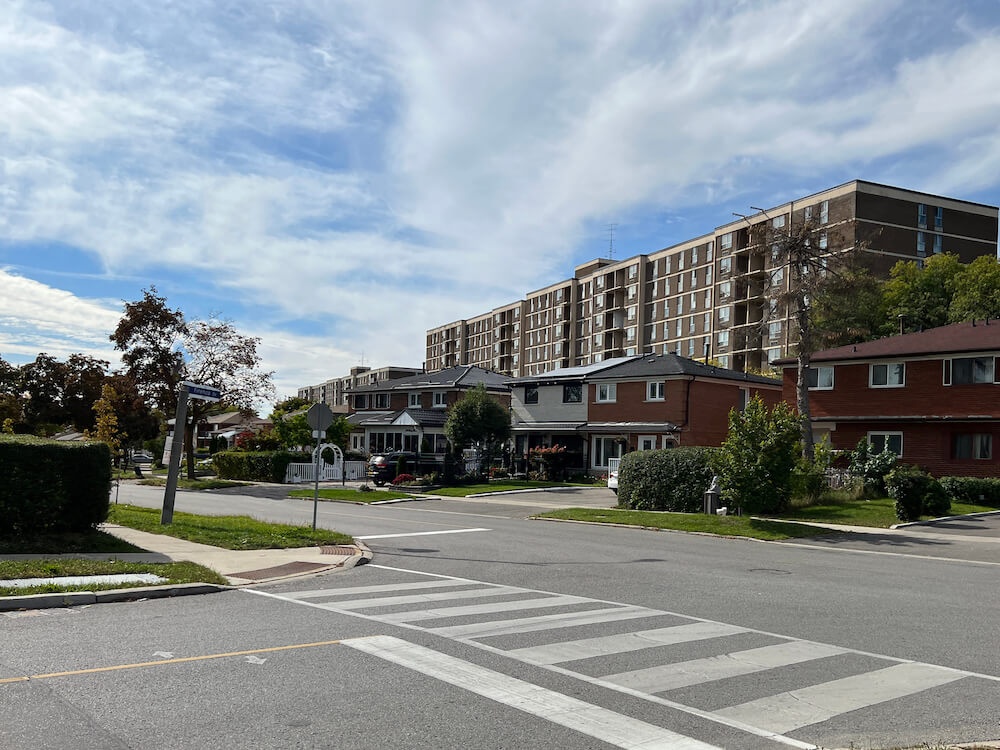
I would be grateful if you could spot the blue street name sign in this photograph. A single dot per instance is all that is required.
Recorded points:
(204, 392)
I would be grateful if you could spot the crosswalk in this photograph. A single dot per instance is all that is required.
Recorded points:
(660, 656)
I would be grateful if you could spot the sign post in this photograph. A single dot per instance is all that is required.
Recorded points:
(187, 390)
(319, 418)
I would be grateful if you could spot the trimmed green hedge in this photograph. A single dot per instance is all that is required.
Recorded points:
(52, 486)
(973, 490)
(257, 466)
(674, 479)
(916, 493)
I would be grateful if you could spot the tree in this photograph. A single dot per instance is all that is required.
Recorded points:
(477, 419)
(850, 309)
(106, 422)
(976, 291)
(84, 380)
(137, 423)
(339, 432)
(221, 357)
(921, 295)
(10, 394)
(755, 463)
(43, 382)
(290, 423)
(148, 335)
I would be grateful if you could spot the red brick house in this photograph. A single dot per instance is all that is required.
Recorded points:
(932, 397)
(631, 403)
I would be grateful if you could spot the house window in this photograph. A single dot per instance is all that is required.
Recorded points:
(976, 446)
(414, 400)
(381, 400)
(531, 394)
(744, 400)
(922, 216)
(654, 390)
(607, 393)
(969, 370)
(572, 394)
(361, 402)
(891, 375)
(820, 378)
(647, 442)
(605, 448)
(886, 441)
(440, 399)
(824, 212)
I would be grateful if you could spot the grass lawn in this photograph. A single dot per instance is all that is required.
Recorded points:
(194, 484)
(76, 541)
(228, 532)
(878, 513)
(722, 525)
(504, 485)
(177, 572)
(351, 496)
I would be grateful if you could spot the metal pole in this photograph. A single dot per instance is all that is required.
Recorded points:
(316, 476)
(176, 449)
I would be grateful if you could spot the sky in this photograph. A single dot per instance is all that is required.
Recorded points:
(338, 177)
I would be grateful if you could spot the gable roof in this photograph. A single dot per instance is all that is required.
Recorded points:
(410, 417)
(958, 338)
(571, 373)
(657, 365)
(466, 376)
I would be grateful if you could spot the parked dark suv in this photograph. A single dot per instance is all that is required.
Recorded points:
(382, 468)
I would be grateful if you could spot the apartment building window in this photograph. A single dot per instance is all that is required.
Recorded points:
(890, 375)
(656, 287)
(633, 270)
(633, 291)
(597, 340)
(677, 349)
(921, 216)
(777, 277)
(680, 261)
(666, 308)
(381, 400)
(666, 264)
(921, 245)
(820, 378)
(440, 399)
(654, 390)
(694, 279)
(691, 324)
(632, 312)
(976, 446)
(691, 347)
(572, 394)
(708, 298)
(607, 393)
(679, 328)
(886, 441)
(708, 275)
(531, 394)
(708, 321)
(778, 221)
(726, 241)
(693, 300)
(970, 370)
(723, 338)
(824, 212)
(599, 301)
(938, 218)
(694, 256)
(708, 252)
(680, 283)
(808, 213)
(724, 314)
(937, 244)
(773, 354)
(725, 289)
(823, 241)
(630, 333)
(723, 361)
(774, 330)
(600, 282)
(726, 265)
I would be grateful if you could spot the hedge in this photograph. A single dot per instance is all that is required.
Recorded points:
(674, 479)
(257, 466)
(973, 490)
(51, 486)
(916, 493)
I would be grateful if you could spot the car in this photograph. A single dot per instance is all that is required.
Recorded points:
(382, 467)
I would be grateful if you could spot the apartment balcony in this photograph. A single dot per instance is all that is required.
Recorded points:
(614, 319)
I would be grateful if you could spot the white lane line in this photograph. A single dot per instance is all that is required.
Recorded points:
(684, 674)
(799, 708)
(542, 622)
(586, 718)
(386, 601)
(419, 533)
(484, 609)
(317, 593)
(586, 648)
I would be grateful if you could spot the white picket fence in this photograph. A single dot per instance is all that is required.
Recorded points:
(298, 473)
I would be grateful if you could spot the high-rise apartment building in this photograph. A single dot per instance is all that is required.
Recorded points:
(333, 392)
(706, 296)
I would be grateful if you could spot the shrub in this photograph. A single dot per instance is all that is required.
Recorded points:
(809, 477)
(401, 466)
(551, 461)
(755, 463)
(403, 478)
(259, 441)
(973, 490)
(871, 468)
(908, 485)
(156, 447)
(674, 479)
(51, 486)
(257, 466)
(366, 488)
(936, 501)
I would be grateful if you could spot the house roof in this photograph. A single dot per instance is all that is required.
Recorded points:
(414, 417)
(466, 376)
(959, 338)
(571, 373)
(664, 365)
(631, 427)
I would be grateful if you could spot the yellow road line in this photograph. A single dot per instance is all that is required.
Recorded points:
(167, 661)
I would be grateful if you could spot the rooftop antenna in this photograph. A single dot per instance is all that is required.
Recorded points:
(611, 241)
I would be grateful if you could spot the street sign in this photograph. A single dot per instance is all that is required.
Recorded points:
(319, 416)
(204, 392)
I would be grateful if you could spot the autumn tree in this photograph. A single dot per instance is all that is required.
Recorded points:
(106, 422)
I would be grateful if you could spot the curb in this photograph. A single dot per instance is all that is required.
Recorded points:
(76, 598)
(944, 518)
(535, 489)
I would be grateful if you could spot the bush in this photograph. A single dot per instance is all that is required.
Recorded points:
(908, 485)
(755, 463)
(973, 490)
(401, 466)
(257, 466)
(50, 486)
(259, 441)
(871, 468)
(403, 478)
(674, 479)
(936, 501)
(156, 447)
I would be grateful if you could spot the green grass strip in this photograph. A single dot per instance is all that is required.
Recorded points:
(878, 513)
(503, 486)
(721, 525)
(228, 532)
(195, 484)
(176, 572)
(87, 541)
(351, 496)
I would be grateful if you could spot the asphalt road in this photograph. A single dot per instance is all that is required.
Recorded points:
(502, 632)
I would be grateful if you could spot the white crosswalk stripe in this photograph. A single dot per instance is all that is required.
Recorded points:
(770, 716)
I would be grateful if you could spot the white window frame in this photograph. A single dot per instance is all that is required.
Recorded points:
(887, 365)
(440, 399)
(650, 438)
(654, 390)
(606, 393)
(413, 400)
(823, 387)
(596, 454)
(885, 435)
(947, 371)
